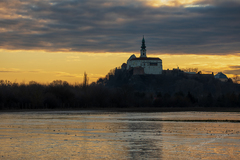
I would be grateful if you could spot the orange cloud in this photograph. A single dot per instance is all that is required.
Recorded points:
(158, 3)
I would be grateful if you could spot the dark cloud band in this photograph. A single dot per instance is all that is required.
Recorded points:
(207, 27)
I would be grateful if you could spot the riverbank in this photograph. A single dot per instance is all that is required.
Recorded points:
(196, 109)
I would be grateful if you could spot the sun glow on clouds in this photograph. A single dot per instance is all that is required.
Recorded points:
(158, 3)
(97, 36)
(178, 26)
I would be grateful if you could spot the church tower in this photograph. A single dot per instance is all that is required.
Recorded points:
(143, 49)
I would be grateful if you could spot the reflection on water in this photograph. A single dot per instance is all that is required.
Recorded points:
(102, 135)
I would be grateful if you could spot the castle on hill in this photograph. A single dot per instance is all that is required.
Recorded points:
(143, 64)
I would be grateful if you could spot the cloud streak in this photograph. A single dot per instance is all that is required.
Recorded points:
(10, 70)
(233, 70)
(199, 27)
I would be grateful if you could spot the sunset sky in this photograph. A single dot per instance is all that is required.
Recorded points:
(46, 40)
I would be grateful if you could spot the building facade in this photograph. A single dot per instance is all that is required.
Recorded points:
(144, 64)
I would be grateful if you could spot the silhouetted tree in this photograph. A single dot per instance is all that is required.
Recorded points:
(85, 80)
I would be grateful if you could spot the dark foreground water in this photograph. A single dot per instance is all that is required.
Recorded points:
(105, 135)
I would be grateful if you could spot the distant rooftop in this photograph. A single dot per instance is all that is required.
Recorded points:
(221, 75)
(145, 58)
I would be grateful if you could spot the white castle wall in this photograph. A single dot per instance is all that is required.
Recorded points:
(150, 66)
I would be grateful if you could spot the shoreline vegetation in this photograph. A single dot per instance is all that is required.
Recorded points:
(112, 110)
(120, 90)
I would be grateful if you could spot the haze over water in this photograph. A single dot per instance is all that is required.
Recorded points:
(119, 135)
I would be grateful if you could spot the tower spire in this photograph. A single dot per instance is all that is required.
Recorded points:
(143, 43)
(143, 48)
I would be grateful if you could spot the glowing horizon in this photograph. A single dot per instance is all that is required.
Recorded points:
(45, 67)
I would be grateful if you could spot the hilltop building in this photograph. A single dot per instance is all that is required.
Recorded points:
(143, 64)
(222, 77)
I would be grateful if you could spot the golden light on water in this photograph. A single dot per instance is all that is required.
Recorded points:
(106, 135)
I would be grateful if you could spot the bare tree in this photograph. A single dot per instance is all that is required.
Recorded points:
(235, 78)
(85, 80)
(190, 70)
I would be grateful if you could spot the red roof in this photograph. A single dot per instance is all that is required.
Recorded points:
(145, 58)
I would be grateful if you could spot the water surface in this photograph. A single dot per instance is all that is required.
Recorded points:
(119, 135)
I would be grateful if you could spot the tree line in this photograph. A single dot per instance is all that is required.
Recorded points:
(121, 89)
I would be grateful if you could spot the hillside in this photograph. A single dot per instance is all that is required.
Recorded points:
(169, 83)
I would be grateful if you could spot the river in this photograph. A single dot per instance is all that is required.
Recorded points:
(119, 135)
